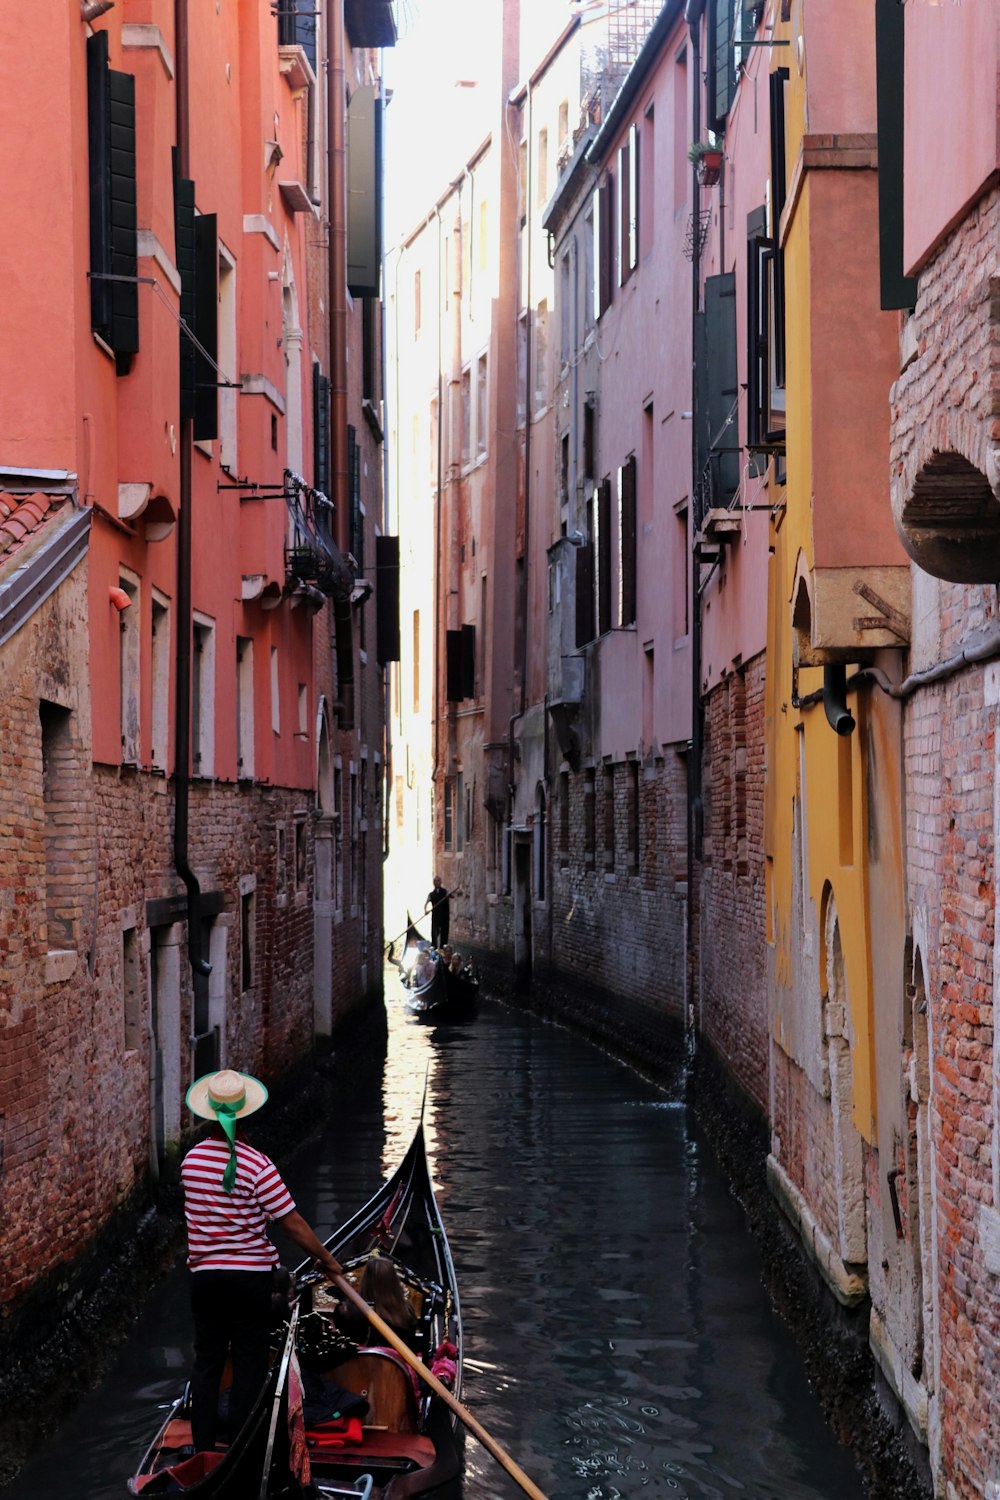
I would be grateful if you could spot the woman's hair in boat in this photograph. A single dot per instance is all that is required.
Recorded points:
(381, 1286)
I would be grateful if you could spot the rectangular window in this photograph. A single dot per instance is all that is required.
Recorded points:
(566, 350)
(132, 989)
(61, 795)
(632, 816)
(297, 27)
(302, 699)
(628, 206)
(604, 200)
(352, 833)
(765, 350)
(603, 547)
(459, 813)
(280, 862)
(228, 363)
(301, 866)
(466, 404)
(128, 658)
(589, 291)
(481, 407)
(321, 431)
(609, 819)
(681, 572)
(541, 397)
(159, 667)
(585, 610)
(626, 542)
(203, 698)
(563, 127)
(275, 692)
(589, 817)
(481, 653)
(449, 798)
(244, 708)
(564, 469)
(248, 920)
(522, 367)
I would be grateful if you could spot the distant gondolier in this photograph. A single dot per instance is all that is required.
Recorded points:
(438, 903)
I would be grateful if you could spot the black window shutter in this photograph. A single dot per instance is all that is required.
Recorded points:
(722, 387)
(625, 217)
(778, 79)
(184, 254)
(321, 431)
(584, 594)
(354, 498)
(604, 557)
(468, 634)
(99, 144)
(628, 542)
(206, 326)
(606, 242)
(721, 69)
(898, 291)
(124, 225)
(453, 665)
(589, 438)
(387, 645)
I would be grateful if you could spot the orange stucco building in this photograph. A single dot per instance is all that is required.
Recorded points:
(190, 386)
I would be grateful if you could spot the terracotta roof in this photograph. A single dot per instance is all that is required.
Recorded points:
(20, 515)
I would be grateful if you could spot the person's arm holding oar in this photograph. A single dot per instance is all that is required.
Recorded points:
(464, 1415)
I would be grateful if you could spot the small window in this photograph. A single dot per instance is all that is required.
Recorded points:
(482, 416)
(248, 919)
(132, 989)
(632, 816)
(589, 817)
(159, 667)
(609, 820)
(449, 803)
(203, 698)
(275, 692)
(541, 357)
(459, 813)
(466, 416)
(301, 866)
(302, 700)
(244, 708)
(128, 659)
(543, 168)
(280, 861)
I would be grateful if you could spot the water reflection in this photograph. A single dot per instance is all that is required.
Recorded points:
(619, 1339)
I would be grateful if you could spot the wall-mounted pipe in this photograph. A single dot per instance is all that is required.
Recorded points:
(200, 967)
(838, 715)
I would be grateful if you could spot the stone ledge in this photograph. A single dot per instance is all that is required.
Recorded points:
(848, 1287)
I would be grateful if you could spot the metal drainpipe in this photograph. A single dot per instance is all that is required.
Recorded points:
(696, 809)
(435, 706)
(528, 405)
(384, 324)
(200, 967)
(337, 270)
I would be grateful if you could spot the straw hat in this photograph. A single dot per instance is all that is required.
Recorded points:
(238, 1093)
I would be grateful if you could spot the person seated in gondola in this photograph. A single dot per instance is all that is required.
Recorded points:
(455, 964)
(423, 969)
(382, 1289)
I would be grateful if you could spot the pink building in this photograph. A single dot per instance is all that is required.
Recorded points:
(190, 492)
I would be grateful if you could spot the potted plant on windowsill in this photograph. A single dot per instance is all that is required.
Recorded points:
(707, 157)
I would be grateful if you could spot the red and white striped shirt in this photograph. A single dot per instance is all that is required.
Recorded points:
(228, 1232)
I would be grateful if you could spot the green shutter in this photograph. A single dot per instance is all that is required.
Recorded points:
(387, 646)
(184, 255)
(722, 388)
(364, 192)
(206, 327)
(898, 291)
(124, 225)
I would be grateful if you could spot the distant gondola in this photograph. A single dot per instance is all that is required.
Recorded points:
(401, 1431)
(433, 991)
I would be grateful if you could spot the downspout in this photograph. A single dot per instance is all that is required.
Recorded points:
(696, 808)
(526, 188)
(337, 177)
(386, 521)
(200, 967)
(435, 702)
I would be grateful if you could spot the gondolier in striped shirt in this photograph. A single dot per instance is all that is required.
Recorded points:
(231, 1193)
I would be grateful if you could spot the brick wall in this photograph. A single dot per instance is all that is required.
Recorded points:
(732, 968)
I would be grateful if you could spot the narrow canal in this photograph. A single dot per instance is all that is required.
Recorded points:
(619, 1340)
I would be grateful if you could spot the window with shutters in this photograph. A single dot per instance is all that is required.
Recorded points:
(628, 206)
(481, 407)
(203, 697)
(206, 327)
(460, 663)
(244, 708)
(114, 304)
(228, 365)
(585, 610)
(128, 659)
(449, 813)
(718, 417)
(387, 645)
(466, 401)
(604, 229)
(159, 670)
(626, 541)
(603, 548)
(765, 342)
(321, 430)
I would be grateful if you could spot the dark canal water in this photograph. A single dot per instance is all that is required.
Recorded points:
(619, 1341)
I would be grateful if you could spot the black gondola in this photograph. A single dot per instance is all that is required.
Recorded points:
(432, 989)
(406, 1434)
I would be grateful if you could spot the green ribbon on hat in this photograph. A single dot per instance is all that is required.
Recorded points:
(226, 1116)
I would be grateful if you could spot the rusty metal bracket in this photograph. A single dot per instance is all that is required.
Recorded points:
(889, 619)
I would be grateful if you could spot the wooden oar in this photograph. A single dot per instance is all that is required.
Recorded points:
(464, 1415)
